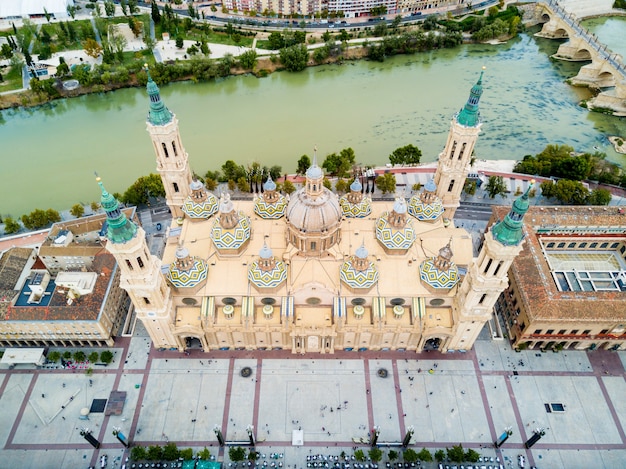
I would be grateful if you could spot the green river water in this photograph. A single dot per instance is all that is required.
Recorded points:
(48, 155)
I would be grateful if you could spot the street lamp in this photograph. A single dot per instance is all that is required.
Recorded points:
(218, 434)
(375, 434)
(250, 430)
(408, 436)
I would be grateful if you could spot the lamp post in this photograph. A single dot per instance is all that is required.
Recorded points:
(408, 436)
(250, 430)
(375, 434)
(218, 434)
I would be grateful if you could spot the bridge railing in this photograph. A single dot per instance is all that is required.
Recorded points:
(602, 49)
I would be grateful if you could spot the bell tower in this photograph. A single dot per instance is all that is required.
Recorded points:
(454, 160)
(171, 157)
(487, 276)
(141, 275)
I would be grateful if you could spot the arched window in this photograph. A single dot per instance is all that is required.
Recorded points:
(140, 262)
(129, 265)
(451, 186)
(174, 148)
(175, 186)
(167, 155)
(462, 151)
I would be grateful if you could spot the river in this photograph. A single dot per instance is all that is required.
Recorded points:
(49, 154)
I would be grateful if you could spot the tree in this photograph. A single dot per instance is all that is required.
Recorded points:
(179, 42)
(155, 13)
(248, 60)
(109, 8)
(565, 191)
(288, 187)
(106, 356)
(231, 170)
(341, 186)
(409, 455)
(92, 48)
(6, 52)
(294, 58)
(276, 41)
(470, 187)
(54, 356)
(304, 163)
(67, 355)
(440, 455)
(170, 451)
(275, 172)
(375, 454)
(94, 206)
(77, 210)
(243, 185)
(599, 197)
(359, 455)
(236, 453)
(93, 357)
(138, 453)
(144, 187)
(154, 453)
(339, 164)
(424, 455)
(408, 154)
(79, 356)
(186, 454)
(471, 455)
(11, 226)
(40, 218)
(326, 183)
(204, 454)
(456, 453)
(392, 455)
(386, 183)
(495, 186)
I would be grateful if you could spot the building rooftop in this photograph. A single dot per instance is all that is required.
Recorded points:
(83, 308)
(399, 275)
(534, 277)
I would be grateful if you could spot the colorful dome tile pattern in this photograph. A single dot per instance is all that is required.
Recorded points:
(393, 238)
(188, 278)
(360, 210)
(231, 238)
(201, 210)
(269, 211)
(423, 211)
(438, 279)
(267, 279)
(358, 279)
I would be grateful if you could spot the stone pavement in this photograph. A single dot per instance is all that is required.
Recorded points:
(468, 398)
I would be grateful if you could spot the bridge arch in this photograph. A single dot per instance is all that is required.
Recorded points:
(582, 54)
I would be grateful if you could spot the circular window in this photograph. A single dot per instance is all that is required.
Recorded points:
(313, 301)
(229, 301)
(358, 301)
(437, 301)
(190, 301)
(268, 301)
(397, 302)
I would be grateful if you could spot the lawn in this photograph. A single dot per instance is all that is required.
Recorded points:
(12, 80)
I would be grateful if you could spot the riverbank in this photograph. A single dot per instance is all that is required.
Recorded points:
(619, 143)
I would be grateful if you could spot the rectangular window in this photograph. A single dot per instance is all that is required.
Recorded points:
(604, 331)
(550, 331)
(146, 300)
(129, 265)
(586, 331)
(174, 148)
(175, 186)
(562, 331)
(537, 331)
(167, 155)
(574, 331)
(451, 186)
(313, 245)
(482, 299)
(140, 262)
(495, 272)
(487, 266)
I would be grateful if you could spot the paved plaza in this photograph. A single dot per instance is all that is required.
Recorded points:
(456, 398)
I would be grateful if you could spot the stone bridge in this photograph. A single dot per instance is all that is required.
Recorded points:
(605, 72)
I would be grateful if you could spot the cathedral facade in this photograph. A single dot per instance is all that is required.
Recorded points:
(314, 272)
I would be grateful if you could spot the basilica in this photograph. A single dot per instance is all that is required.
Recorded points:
(314, 272)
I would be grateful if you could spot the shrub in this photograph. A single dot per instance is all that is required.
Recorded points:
(79, 356)
(93, 357)
(106, 356)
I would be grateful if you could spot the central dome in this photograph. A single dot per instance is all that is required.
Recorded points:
(313, 216)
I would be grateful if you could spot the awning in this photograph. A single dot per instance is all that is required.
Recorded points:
(419, 308)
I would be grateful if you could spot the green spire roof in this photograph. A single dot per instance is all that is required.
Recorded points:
(469, 116)
(509, 231)
(119, 228)
(158, 114)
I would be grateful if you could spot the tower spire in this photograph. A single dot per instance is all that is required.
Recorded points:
(158, 114)
(119, 228)
(509, 231)
(469, 116)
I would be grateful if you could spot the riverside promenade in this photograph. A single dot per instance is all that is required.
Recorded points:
(467, 398)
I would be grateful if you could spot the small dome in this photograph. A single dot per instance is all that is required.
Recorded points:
(400, 205)
(361, 253)
(314, 215)
(430, 186)
(314, 172)
(356, 186)
(196, 185)
(182, 252)
(265, 252)
(269, 185)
